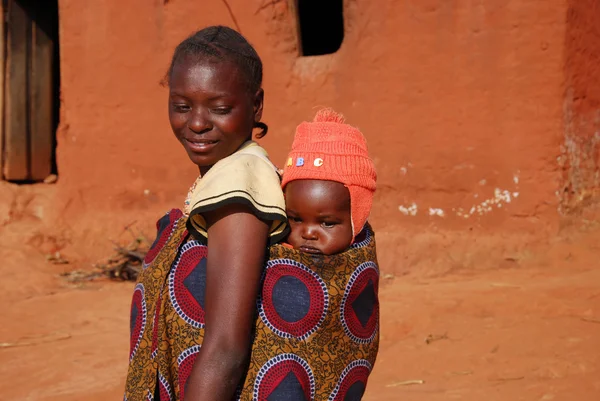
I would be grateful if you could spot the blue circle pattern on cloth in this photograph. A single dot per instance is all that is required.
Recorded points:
(363, 238)
(294, 299)
(165, 226)
(286, 377)
(164, 389)
(353, 382)
(137, 319)
(187, 283)
(360, 308)
(185, 363)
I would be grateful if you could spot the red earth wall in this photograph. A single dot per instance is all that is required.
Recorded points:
(581, 149)
(461, 102)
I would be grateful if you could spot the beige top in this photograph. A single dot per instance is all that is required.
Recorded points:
(246, 177)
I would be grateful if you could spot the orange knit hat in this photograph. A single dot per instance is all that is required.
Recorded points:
(328, 149)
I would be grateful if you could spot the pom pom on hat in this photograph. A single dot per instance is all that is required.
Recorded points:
(329, 149)
(328, 115)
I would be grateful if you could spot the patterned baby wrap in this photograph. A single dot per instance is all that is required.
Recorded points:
(317, 328)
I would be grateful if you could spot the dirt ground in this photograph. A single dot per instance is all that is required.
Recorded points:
(529, 331)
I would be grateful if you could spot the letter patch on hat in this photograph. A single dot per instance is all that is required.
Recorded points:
(300, 162)
(318, 162)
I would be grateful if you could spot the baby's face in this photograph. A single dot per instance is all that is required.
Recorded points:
(319, 216)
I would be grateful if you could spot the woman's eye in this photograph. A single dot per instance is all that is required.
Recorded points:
(222, 110)
(181, 108)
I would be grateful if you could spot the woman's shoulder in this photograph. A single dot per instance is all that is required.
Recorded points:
(248, 173)
(246, 177)
(249, 152)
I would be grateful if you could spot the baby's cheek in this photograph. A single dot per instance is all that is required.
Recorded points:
(293, 237)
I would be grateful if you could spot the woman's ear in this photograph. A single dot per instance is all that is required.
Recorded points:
(259, 99)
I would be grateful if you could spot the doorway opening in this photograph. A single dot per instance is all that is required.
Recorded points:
(30, 90)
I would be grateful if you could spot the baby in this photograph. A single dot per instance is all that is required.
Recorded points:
(329, 181)
(317, 332)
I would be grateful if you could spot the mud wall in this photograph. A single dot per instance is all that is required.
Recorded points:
(461, 102)
(581, 148)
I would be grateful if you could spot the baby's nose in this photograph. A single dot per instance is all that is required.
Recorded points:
(309, 233)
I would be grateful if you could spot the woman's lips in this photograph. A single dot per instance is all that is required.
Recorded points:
(201, 146)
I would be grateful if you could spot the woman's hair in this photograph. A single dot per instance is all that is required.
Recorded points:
(223, 44)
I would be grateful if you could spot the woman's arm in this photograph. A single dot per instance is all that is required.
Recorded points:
(236, 251)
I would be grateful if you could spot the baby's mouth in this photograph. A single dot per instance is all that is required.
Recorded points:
(310, 249)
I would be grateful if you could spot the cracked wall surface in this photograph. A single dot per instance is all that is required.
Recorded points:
(580, 156)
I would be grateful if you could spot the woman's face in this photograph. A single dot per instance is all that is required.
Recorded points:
(210, 109)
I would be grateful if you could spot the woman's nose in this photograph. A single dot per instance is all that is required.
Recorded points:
(199, 122)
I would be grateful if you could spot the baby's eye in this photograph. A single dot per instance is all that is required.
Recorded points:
(295, 219)
(221, 110)
(328, 224)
